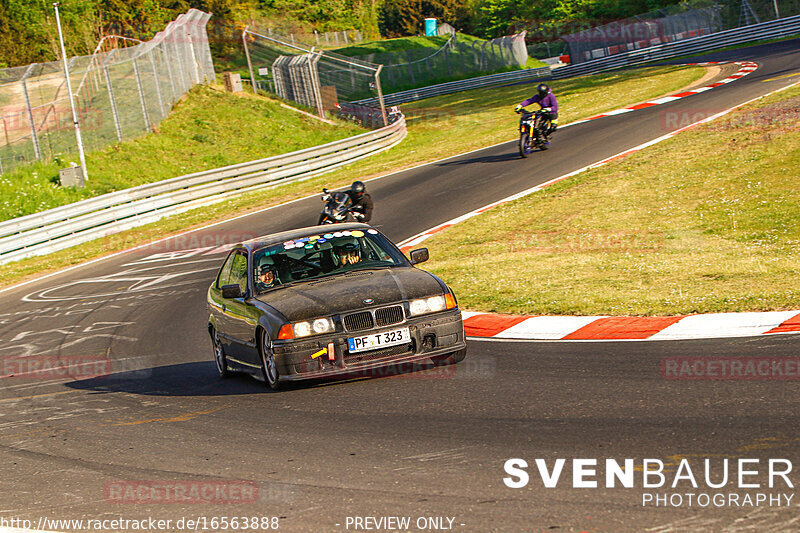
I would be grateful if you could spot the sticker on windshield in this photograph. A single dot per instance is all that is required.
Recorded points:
(357, 233)
(372, 232)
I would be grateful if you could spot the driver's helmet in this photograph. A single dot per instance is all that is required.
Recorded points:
(267, 275)
(357, 189)
(347, 254)
(542, 89)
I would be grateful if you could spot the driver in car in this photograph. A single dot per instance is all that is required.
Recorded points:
(348, 254)
(267, 277)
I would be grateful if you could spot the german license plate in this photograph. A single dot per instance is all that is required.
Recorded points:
(378, 340)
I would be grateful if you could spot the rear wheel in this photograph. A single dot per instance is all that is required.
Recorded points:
(268, 367)
(524, 144)
(451, 358)
(219, 356)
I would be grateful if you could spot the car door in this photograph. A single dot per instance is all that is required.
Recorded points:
(218, 304)
(240, 313)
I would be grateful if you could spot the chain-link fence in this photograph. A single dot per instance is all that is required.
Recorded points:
(457, 58)
(318, 79)
(673, 23)
(323, 80)
(120, 93)
(330, 39)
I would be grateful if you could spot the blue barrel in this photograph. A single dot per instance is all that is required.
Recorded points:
(430, 27)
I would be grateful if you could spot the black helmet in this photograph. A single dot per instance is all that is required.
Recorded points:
(357, 188)
(543, 90)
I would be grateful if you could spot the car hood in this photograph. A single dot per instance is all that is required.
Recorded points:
(347, 292)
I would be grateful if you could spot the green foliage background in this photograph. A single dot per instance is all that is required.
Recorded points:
(27, 31)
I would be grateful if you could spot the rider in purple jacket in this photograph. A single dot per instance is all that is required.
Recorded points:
(547, 101)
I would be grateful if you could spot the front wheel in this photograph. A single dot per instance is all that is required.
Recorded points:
(268, 367)
(219, 355)
(323, 219)
(524, 144)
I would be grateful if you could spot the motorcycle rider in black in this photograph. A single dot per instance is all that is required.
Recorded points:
(362, 202)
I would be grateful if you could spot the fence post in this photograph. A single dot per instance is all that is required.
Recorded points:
(195, 70)
(168, 61)
(380, 94)
(158, 85)
(114, 113)
(313, 58)
(141, 95)
(249, 63)
(411, 68)
(34, 137)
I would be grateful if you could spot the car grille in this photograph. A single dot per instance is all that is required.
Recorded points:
(389, 315)
(375, 355)
(358, 321)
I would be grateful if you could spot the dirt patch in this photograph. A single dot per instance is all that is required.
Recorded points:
(713, 72)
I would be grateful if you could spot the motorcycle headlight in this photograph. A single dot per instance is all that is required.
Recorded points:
(427, 305)
(314, 327)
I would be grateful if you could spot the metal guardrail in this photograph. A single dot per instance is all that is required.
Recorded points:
(63, 227)
(766, 30)
(412, 95)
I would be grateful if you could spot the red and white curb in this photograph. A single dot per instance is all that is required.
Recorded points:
(745, 68)
(615, 328)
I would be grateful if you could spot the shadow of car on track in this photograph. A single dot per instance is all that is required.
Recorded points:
(200, 379)
(511, 156)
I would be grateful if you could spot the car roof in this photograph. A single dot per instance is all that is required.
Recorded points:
(274, 238)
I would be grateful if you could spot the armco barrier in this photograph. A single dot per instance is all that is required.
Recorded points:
(766, 30)
(62, 227)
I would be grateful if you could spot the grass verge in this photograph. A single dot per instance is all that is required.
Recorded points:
(482, 117)
(708, 221)
(207, 129)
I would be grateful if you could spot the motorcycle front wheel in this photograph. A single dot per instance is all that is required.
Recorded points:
(524, 144)
(323, 219)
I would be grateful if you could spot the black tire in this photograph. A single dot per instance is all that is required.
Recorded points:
(451, 358)
(524, 145)
(323, 219)
(269, 370)
(220, 360)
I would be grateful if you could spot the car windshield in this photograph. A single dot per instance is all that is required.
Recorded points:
(322, 255)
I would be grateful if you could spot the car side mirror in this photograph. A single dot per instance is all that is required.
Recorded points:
(231, 291)
(420, 255)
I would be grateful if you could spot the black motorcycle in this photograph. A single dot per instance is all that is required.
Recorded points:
(337, 207)
(533, 128)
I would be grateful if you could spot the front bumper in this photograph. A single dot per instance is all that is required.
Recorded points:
(431, 336)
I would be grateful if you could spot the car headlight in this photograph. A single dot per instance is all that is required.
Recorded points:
(430, 305)
(313, 327)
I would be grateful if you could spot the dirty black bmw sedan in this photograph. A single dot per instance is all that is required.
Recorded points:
(326, 301)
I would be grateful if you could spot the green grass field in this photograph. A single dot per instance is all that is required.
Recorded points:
(207, 129)
(481, 118)
(708, 221)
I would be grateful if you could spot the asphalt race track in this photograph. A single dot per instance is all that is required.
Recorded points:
(427, 442)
